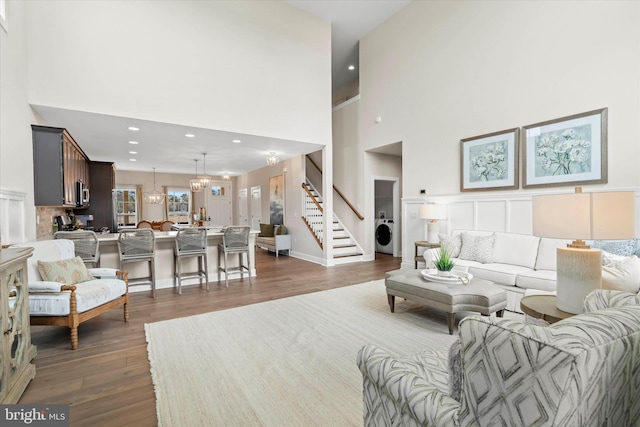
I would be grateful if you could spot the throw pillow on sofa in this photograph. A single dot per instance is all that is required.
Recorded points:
(617, 247)
(266, 230)
(623, 275)
(477, 248)
(67, 271)
(451, 243)
(281, 230)
(609, 258)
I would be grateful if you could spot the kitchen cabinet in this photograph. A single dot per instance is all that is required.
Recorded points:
(103, 181)
(58, 165)
(16, 350)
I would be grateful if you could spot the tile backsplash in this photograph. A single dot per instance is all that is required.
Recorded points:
(47, 215)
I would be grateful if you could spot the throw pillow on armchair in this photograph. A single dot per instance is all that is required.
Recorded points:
(266, 230)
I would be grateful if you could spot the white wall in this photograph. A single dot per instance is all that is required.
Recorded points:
(348, 160)
(16, 154)
(256, 67)
(441, 71)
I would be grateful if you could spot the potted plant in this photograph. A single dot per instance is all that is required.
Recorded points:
(444, 263)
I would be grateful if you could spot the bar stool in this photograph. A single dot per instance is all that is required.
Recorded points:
(86, 245)
(191, 242)
(235, 240)
(137, 245)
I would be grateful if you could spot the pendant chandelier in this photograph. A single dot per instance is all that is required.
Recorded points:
(272, 159)
(153, 197)
(195, 183)
(205, 180)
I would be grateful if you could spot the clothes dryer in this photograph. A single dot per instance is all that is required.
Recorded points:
(384, 235)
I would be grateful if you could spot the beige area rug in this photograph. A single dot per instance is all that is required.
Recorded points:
(287, 362)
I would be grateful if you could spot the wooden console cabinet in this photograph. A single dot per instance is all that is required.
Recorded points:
(16, 351)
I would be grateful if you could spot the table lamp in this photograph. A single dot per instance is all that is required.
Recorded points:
(432, 213)
(581, 216)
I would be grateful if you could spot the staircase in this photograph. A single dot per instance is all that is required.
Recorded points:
(345, 248)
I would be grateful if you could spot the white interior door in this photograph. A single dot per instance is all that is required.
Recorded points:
(256, 207)
(218, 199)
(243, 217)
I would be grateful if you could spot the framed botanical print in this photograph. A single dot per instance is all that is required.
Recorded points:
(570, 150)
(489, 162)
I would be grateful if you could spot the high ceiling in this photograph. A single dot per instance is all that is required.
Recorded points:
(350, 21)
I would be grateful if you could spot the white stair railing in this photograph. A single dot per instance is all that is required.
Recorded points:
(312, 211)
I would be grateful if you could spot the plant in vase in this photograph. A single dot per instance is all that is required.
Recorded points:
(444, 263)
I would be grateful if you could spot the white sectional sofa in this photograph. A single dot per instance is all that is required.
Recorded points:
(516, 262)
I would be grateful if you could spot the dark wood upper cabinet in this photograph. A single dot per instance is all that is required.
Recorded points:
(58, 165)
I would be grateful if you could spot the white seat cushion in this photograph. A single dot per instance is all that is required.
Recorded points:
(542, 280)
(503, 274)
(89, 294)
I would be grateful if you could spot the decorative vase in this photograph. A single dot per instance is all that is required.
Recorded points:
(443, 273)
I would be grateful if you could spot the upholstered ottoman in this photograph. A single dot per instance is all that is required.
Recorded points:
(479, 295)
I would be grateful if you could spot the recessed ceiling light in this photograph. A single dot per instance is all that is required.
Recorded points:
(133, 128)
(133, 152)
(236, 141)
(351, 67)
(133, 142)
(189, 135)
(132, 160)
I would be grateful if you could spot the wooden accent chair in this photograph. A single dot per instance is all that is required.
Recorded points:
(144, 224)
(61, 303)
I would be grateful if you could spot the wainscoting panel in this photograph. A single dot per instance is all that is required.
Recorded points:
(520, 218)
(461, 216)
(491, 215)
(12, 214)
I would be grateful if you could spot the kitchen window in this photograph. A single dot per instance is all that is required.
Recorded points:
(126, 206)
(178, 205)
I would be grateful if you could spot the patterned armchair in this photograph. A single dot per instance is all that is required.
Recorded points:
(582, 371)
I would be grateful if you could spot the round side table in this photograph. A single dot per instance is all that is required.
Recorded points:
(543, 307)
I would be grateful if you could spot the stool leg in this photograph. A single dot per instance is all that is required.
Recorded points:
(392, 301)
(206, 272)
(249, 266)
(219, 266)
(500, 313)
(226, 271)
(179, 271)
(153, 277)
(176, 262)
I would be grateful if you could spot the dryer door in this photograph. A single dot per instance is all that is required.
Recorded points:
(383, 235)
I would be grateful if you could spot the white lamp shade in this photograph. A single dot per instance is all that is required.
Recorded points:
(433, 211)
(585, 215)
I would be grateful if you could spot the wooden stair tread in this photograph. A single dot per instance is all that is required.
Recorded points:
(346, 255)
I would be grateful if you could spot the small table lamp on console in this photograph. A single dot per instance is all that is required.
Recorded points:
(432, 213)
(582, 216)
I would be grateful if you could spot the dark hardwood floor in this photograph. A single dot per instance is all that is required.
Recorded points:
(107, 380)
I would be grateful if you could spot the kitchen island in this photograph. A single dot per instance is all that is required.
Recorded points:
(164, 261)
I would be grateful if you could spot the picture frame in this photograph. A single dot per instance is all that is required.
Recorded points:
(571, 150)
(490, 161)
(276, 200)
